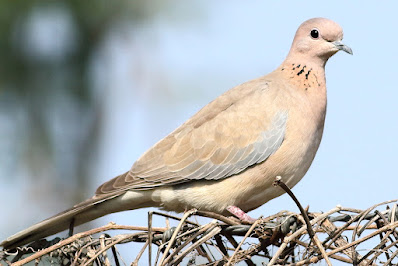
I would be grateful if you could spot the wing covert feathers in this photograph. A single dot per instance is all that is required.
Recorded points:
(223, 139)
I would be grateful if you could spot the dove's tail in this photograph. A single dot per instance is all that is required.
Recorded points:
(79, 214)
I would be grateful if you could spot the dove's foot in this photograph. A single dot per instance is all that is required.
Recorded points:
(244, 217)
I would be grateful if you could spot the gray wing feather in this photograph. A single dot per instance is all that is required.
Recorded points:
(267, 144)
(187, 167)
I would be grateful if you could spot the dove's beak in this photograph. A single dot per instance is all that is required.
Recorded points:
(341, 46)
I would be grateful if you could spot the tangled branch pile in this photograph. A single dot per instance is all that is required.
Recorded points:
(359, 237)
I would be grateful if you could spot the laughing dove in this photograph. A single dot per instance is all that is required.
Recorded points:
(225, 158)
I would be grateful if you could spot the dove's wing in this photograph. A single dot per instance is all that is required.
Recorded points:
(223, 139)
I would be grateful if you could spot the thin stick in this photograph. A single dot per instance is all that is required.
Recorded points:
(173, 237)
(356, 242)
(388, 262)
(103, 247)
(220, 245)
(174, 217)
(113, 243)
(299, 232)
(279, 182)
(135, 262)
(381, 251)
(330, 228)
(366, 212)
(218, 217)
(203, 239)
(323, 252)
(150, 214)
(241, 242)
(209, 226)
(110, 226)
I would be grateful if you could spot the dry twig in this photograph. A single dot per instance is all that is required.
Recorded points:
(285, 238)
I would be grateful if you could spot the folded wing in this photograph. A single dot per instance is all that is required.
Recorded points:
(212, 145)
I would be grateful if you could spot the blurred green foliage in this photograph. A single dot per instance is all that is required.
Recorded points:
(46, 48)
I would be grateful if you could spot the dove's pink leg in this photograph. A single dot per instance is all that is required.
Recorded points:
(244, 217)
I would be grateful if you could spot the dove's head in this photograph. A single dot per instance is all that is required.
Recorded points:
(317, 40)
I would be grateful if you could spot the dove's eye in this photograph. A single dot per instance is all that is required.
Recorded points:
(315, 33)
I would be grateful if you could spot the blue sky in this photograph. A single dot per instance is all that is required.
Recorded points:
(190, 56)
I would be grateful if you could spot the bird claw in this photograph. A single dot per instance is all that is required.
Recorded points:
(243, 217)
